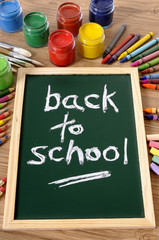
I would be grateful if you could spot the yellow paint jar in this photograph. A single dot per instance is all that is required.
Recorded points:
(91, 40)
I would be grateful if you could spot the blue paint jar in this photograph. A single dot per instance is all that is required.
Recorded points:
(101, 12)
(11, 19)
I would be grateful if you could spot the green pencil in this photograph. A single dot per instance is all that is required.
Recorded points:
(3, 104)
(144, 54)
(149, 64)
(6, 92)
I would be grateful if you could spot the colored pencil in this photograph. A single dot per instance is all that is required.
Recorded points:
(152, 117)
(144, 54)
(2, 191)
(150, 70)
(136, 45)
(2, 134)
(119, 46)
(7, 97)
(2, 122)
(3, 139)
(3, 181)
(145, 59)
(3, 104)
(4, 115)
(7, 91)
(150, 76)
(151, 110)
(139, 50)
(3, 128)
(3, 110)
(126, 46)
(151, 86)
(149, 64)
(155, 81)
(115, 40)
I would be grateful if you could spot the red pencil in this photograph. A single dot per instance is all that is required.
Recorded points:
(3, 128)
(7, 97)
(5, 114)
(118, 47)
(2, 134)
(151, 86)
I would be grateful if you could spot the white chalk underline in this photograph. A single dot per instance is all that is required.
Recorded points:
(81, 178)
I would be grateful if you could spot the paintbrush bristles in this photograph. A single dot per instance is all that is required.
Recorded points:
(15, 49)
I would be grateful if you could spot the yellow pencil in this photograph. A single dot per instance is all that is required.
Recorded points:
(2, 122)
(136, 45)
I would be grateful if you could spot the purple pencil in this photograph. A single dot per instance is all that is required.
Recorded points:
(123, 49)
(7, 97)
(155, 80)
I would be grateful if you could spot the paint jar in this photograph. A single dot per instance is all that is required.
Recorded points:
(101, 12)
(11, 18)
(91, 40)
(69, 17)
(61, 47)
(36, 29)
(6, 75)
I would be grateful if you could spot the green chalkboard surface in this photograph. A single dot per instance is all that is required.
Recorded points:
(78, 156)
(83, 128)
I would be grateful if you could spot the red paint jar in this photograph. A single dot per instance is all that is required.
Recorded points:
(69, 17)
(61, 47)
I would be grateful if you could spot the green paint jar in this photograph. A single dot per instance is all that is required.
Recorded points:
(6, 75)
(36, 29)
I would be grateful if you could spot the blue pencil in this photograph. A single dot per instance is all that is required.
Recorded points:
(152, 117)
(139, 50)
(150, 76)
(2, 140)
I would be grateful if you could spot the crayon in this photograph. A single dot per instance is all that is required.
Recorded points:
(145, 59)
(139, 50)
(3, 139)
(4, 115)
(3, 181)
(7, 97)
(154, 144)
(7, 91)
(3, 110)
(154, 151)
(2, 134)
(151, 110)
(149, 64)
(150, 76)
(2, 122)
(151, 86)
(156, 80)
(3, 104)
(2, 190)
(152, 117)
(126, 46)
(115, 39)
(154, 168)
(118, 47)
(3, 128)
(136, 45)
(144, 54)
(151, 70)
(155, 159)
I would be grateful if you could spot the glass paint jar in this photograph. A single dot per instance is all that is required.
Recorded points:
(69, 17)
(36, 29)
(101, 12)
(61, 47)
(6, 75)
(91, 40)
(11, 18)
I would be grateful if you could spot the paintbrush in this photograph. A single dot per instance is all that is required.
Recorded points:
(18, 56)
(20, 62)
(14, 64)
(16, 49)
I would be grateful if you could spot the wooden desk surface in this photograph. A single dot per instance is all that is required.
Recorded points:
(141, 17)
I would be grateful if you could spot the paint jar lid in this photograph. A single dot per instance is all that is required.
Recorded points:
(35, 22)
(102, 4)
(4, 65)
(69, 12)
(9, 8)
(61, 40)
(91, 33)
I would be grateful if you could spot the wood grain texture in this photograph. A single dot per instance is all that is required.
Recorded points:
(133, 14)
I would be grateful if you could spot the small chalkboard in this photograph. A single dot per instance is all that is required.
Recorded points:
(78, 156)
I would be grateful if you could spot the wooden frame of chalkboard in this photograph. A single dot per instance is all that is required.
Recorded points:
(10, 222)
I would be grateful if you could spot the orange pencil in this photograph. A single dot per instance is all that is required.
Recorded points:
(151, 110)
(3, 128)
(151, 86)
(3, 134)
(4, 115)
